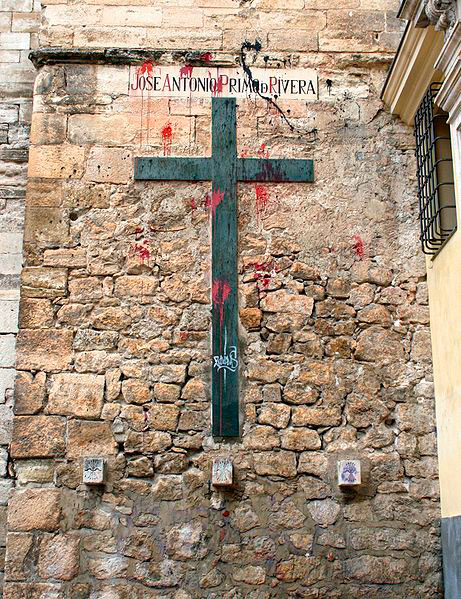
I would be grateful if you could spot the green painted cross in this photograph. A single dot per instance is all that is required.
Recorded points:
(224, 169)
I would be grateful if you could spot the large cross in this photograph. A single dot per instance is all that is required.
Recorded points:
(224, 169)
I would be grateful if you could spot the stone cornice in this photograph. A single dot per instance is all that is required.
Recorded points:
(412, 71)
(125, 56)
(449, 61)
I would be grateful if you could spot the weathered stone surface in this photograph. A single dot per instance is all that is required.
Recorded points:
(379, 345)
(281, 301)
(136, 391)
(46, 350)
(262, 438)
(35, 313)
(377, 570)
(31, 509)
(250, 575)
(18, 546)
(321, 416)
(29, 392)
(275, 414)
(163, 417)
(90, 439)
(324, 512)
(38, 437)
(59, 557)
(79, 395)
(167, 488)
(282, 463)
(300, 439)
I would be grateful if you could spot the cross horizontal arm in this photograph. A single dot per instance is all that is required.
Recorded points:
(283, 170)
(173, 169)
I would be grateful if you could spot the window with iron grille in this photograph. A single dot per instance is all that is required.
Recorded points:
(436, 192)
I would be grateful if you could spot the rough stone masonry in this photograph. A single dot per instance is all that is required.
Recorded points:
(113, 352)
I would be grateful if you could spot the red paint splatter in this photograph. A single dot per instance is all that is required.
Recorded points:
(358, 247)
(262, 271)
(192, 204)
(139, 230)
(263, 152)
(206, 57)
(142, 251)
(183, 335)
(207, 201)
(226, 514)
(167, 136)
(186, 72)
(262, 199)
(222, 534)
(147, 67)
(220, 291)
(216, 198)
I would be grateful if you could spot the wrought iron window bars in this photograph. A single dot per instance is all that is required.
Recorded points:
(437, 209)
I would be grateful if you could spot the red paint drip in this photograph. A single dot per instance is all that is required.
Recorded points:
(262, 199)
(207, 201)
(193, 204)
(186, 72)
(220, 291)
(206, 57)
(167, 136)
(146, 67)
(358, 247)
(216, 198)
(263, 152)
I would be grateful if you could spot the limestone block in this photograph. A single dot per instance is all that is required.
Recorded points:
(193, 420)
(35, 313)
(59, 557)
(44, 282)
(56, 162)
(18, 546)
(136, 391)
(167, 488)
(324, 512)
(29, 393)
(281, 463)
(282, 301)
(195, 40)
(380, 345)
(38, 437)
(351, 40)
(135, 286)
(7, 376)
(154, 441)
(261, 438)
(297, 439)
(109, 165)
(79, 395)
(43, 223)
(376, 570)
(48, 128)
(44, 349)
(7, 351)
(168, 373)
(250, 317)
(44, 193)
(85, 289)
(194, 389)
(101, 129)
(88, 339)
(31, 509)
(275, 414)
(267, 371)
(66, 257)
(8, 316)
(322, 416)
(298, 40)
(14, 41)
(92, 439)
(110, 318)
(34, 471)
(165, 392)
(25, 22)
(250, 575)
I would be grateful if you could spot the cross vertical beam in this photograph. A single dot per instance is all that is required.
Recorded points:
(224, 169)
(224, 378)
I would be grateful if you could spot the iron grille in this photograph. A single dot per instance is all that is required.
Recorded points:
(437, 209)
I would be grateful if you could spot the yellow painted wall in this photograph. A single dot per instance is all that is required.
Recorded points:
(444, 282)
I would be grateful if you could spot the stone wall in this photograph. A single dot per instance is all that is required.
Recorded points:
(18, 33)
(114, 346)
